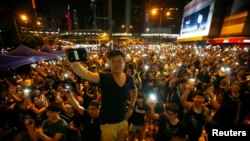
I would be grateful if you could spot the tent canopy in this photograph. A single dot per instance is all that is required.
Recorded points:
(24, 55)
(35, 55)
(8, 61)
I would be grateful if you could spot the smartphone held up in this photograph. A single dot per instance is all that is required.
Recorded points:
(76, 55)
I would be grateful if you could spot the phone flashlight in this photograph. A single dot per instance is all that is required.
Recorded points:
(225, 69)
(33, 65)
(152, 97)
(67, 87)
(222, 69)
(228, 69)
(162, 57)
(192, 79)
(26, 92)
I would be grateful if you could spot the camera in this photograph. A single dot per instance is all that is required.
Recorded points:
(76, 55)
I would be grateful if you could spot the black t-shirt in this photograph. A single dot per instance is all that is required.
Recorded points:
(19, 114)
(167, 131)
(194, 122)
(138, 115)
(114, 98)
(50, 129)
(75, 119)
(86, 98)
(91, 128)
(229, 108)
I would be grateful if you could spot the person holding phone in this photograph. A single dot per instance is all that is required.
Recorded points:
(116, 88)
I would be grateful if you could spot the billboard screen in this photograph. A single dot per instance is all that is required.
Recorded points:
(197, 18)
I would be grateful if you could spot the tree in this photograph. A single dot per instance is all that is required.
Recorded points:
(31, 41)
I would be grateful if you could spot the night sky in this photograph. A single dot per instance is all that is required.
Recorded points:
(56, 9)
(59, 7)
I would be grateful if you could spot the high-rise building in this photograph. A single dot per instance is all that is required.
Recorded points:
(75, 20)
(102, 15)
(138, 16)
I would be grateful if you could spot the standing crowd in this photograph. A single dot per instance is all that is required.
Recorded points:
(163, 93)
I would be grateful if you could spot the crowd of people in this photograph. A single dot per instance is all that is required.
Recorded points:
(139, 92)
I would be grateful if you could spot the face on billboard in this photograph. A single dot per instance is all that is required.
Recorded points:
(197, 18)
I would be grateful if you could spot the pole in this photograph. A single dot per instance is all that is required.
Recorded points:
(110, 23)
(93, 6)
(127, 15)
(34, 15)
(17, 31)
(160, 24)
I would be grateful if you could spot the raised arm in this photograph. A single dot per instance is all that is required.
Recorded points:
(186, 104)
(84, 73)
(75, 104)
(133, 96)
(152, 113)
(38, 111)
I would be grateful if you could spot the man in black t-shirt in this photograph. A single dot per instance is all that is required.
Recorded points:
(53, 128)
(89, 120)
(170, 126)
(116, 87)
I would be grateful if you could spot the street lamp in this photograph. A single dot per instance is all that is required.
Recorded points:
(17, 31)
(38, 23)
(168, 13)
(123, 27)
(24, 18)
(155, 11)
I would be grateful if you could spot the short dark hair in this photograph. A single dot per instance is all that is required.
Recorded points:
(94, 103)
(173, 107)
(54, 106)
(114, 53)
(235, 83)
(199, 93)
(140, 96)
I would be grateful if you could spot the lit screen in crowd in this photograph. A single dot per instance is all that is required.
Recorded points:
(197, 18)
